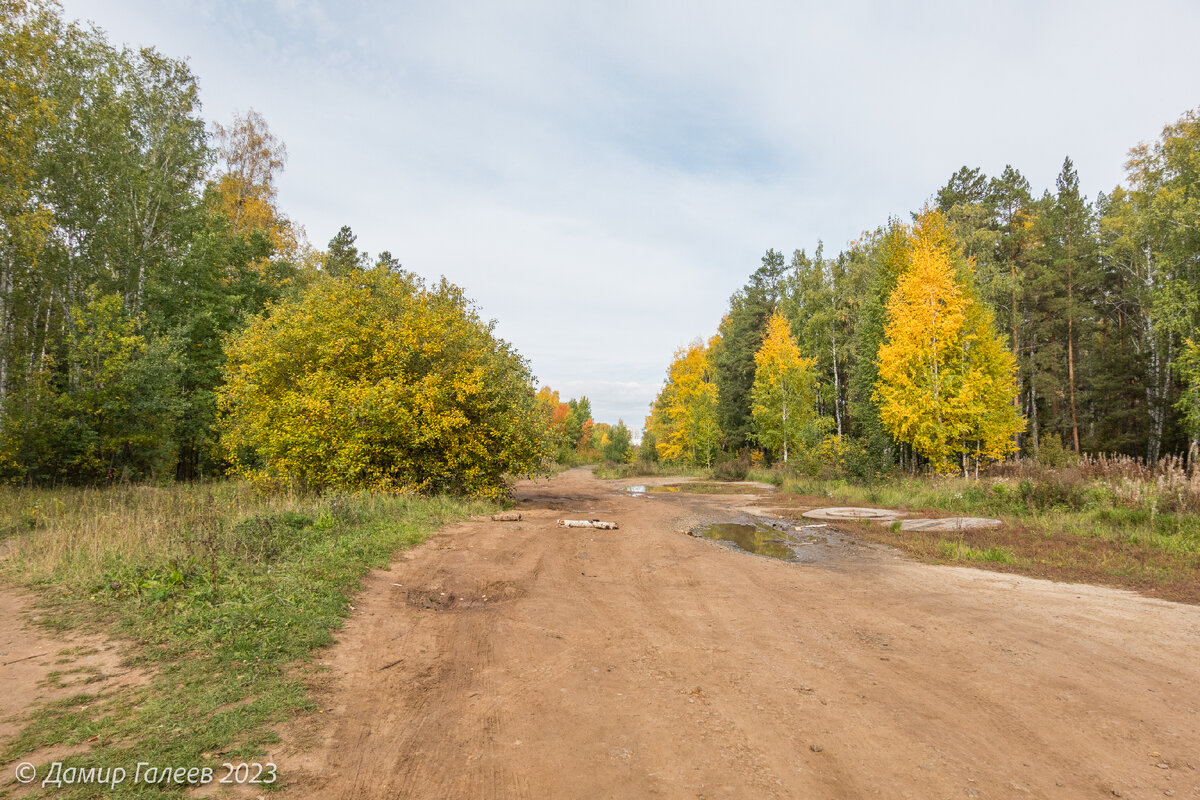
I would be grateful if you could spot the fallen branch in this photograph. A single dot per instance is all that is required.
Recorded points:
(587, 523)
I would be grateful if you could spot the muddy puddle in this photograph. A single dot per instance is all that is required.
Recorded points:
(697, 487)
(807, 544)
(761, 540)
(642, 491)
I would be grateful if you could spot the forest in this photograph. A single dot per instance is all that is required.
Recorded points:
(996, 321)
(162, 318)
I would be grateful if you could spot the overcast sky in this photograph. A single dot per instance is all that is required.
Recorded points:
(601, 176)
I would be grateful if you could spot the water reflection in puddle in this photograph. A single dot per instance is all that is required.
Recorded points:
(758, 539)
(641, 490)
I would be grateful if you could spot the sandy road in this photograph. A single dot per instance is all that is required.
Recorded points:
(522, 660)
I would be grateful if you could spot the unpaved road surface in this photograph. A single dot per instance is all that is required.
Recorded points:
(523, 660)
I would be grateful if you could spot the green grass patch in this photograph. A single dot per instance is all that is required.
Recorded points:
(1058, 524)
(223, 596)
(958, 551)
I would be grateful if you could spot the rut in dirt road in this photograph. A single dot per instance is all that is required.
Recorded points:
(523, 660)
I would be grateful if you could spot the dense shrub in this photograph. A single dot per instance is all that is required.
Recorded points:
(373, 381)
(732, 469)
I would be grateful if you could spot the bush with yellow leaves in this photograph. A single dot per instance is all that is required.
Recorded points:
(374, 381)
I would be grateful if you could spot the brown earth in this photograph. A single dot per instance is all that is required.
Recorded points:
(39, 667)
(524, 660)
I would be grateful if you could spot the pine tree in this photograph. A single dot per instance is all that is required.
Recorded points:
(343, 257)
(738, 338)
(886, 257)
(1071, 256)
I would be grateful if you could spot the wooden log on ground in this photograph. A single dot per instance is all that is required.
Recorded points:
(587, 523)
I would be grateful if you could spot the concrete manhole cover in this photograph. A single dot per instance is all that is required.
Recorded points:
(850, 513)
(949, 524)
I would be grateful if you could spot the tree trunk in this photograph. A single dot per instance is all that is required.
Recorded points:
(6, 332)
(1016, 350)
(1071, 344)
(837, 390)
(1033, 414)
(785, 431)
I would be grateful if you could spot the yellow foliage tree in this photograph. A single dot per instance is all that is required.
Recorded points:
(946, 382)
(374, 381)
(784, 395)
(683, 419)
(244, 191)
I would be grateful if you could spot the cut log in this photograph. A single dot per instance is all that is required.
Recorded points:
(587, 523)
(507, 516)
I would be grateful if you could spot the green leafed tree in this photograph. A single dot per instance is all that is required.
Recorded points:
(886, 257)
(619, 446)
(739, 336)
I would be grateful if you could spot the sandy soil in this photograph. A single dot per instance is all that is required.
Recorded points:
(525, 660)
(29, 659)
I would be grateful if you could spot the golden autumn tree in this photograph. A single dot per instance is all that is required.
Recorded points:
(683, 419)
(251, 157)
(244, 190)
(784, 394)
(378, 382)
(946, 382)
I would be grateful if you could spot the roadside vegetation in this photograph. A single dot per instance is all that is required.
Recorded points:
(220, 593)
(997, 322)
(1109, 521)
(1113, 521)
(237, 425)
(1004, 353)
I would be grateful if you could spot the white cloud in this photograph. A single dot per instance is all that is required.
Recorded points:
(600, 177)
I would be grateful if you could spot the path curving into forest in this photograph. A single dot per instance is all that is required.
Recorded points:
(524, 660)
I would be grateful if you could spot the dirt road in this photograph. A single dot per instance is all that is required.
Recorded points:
(523, 660)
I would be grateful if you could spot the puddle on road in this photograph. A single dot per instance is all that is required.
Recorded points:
(642, 491)
(758, 539)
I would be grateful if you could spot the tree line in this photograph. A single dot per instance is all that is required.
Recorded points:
(1081, 317)
(162, 318)
(575, 438)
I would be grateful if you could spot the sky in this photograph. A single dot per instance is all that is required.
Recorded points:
(600, 177)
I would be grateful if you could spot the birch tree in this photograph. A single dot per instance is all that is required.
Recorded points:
(784, 395)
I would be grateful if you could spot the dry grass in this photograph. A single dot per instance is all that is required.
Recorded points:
(80, 533)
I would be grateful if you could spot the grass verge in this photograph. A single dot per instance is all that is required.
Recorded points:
(222, 595)
(1079, 531)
